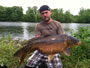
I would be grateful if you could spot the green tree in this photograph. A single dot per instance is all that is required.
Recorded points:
(84, 15)
(38, 16)
(30, 15)
(2, 13)
(75, 18)
(68, 16)
(16, 14)
(58, 15)
(11, 13)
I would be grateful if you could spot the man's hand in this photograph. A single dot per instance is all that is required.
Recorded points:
(37, 36)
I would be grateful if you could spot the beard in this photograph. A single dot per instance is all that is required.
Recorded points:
(47, 20)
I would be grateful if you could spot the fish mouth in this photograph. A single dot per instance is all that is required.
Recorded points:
(79, 43)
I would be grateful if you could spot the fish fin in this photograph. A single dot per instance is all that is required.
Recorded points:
(67, 52)
(50, 57)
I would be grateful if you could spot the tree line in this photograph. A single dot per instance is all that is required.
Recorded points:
(15, 13)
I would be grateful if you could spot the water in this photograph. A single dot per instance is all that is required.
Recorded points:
(25, 30)
(68, 27)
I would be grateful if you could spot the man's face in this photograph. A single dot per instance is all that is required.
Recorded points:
(46, 15)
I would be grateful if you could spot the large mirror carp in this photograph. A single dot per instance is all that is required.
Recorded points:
(49, 45)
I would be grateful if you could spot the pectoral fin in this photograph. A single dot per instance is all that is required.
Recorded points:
(67, 52)
(50, 57)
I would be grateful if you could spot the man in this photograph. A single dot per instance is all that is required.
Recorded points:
(46, 27)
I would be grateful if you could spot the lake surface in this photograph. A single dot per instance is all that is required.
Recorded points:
(25, 30)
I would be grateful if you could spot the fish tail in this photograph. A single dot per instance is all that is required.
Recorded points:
(19, 53)
(22, 51)
(22, 58)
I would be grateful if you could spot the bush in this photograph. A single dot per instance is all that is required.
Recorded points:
(80, 55)
(7, 49)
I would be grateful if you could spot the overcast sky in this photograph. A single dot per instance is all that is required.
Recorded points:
(72, 5)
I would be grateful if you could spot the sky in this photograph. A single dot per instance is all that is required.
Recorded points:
(71, 5)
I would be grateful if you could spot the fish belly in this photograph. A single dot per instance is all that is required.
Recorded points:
(52, 48)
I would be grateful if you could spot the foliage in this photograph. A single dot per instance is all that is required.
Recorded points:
(11, 13)
(68, 17)
(7, 49)
(80, 55)
(84, 15)
(32, 15)
(58, 14)
(15, 13)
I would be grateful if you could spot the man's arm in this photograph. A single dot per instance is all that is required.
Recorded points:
(37, 31)
(60, 30)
